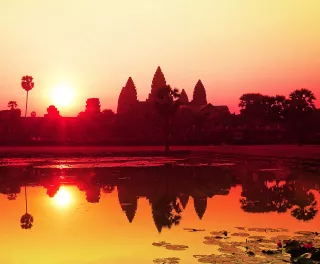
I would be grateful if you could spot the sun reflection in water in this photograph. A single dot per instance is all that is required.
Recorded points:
(63, 197)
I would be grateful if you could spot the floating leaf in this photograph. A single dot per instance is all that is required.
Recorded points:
(176, 247)
(240, 228)
(230, 249)
(194, 230)
(160, 244)
(219, 233)
(306, 233)
(257, 229)
(306, 255)
(256, 237)
(271, 252)
(280, 238)
(240, 234)
(169, 246)
(167, 260)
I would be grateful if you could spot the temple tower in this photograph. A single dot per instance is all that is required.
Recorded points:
(199, 94)
(158, 81)
(127, 98)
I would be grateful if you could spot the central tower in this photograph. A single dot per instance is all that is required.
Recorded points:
(158, 82)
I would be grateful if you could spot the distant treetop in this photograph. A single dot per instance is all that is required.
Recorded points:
(12, 105)
(27, 83)
(53, 112)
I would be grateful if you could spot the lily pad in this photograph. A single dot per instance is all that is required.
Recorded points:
(240, 234)
(307, 233)
(176, 247)
(160, 244)
(240, 228)
(194, 230)
(256, 237)
(230, 249)
(167, 260)
(256, 229)
(219, 233)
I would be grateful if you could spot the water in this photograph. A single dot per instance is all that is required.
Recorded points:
(112, 212)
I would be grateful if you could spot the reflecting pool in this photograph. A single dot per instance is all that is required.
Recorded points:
(61, 213)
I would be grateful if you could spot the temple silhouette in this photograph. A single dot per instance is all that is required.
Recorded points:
(262, 120)
(128, 102)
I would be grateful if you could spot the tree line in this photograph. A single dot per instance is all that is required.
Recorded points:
(168, 121)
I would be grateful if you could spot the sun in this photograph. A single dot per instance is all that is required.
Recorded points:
(63, 198)
(62, 95)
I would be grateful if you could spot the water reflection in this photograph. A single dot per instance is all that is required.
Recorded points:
(62, 198)
(168, 189)
(26, 220)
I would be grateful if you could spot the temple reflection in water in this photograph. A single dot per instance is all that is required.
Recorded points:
(168, 189)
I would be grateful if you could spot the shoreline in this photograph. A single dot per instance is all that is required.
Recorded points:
(279, 151)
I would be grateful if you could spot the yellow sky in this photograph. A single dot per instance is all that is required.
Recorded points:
(234, 46)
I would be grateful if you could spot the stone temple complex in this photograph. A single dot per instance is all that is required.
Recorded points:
(129, 103)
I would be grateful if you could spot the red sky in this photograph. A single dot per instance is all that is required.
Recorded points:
(92, 47)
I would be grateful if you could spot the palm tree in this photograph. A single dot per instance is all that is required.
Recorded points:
(27, 84)
(167, 104)
(12, 105)
(26, 220)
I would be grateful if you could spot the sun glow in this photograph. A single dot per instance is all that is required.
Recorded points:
(62, 95)
(63, 197)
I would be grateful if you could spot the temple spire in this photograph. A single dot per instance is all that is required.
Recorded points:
(200, 206)
(158, 81)
(199, 94)
(127, 97)
(184, 97)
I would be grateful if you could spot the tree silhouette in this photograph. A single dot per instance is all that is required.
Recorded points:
(53, 112)
(26, 220)
(12, 105)
(108, 116)
(302, 100)
(278, 106)
(166, 212)
(27, 84)
(167, 104)
(306, 213)
(108, 188)
(12, 196)
(259, 198)
(304, 204)
(301, 108)
(252, 107)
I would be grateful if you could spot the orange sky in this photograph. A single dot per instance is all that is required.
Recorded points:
(94, 46)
